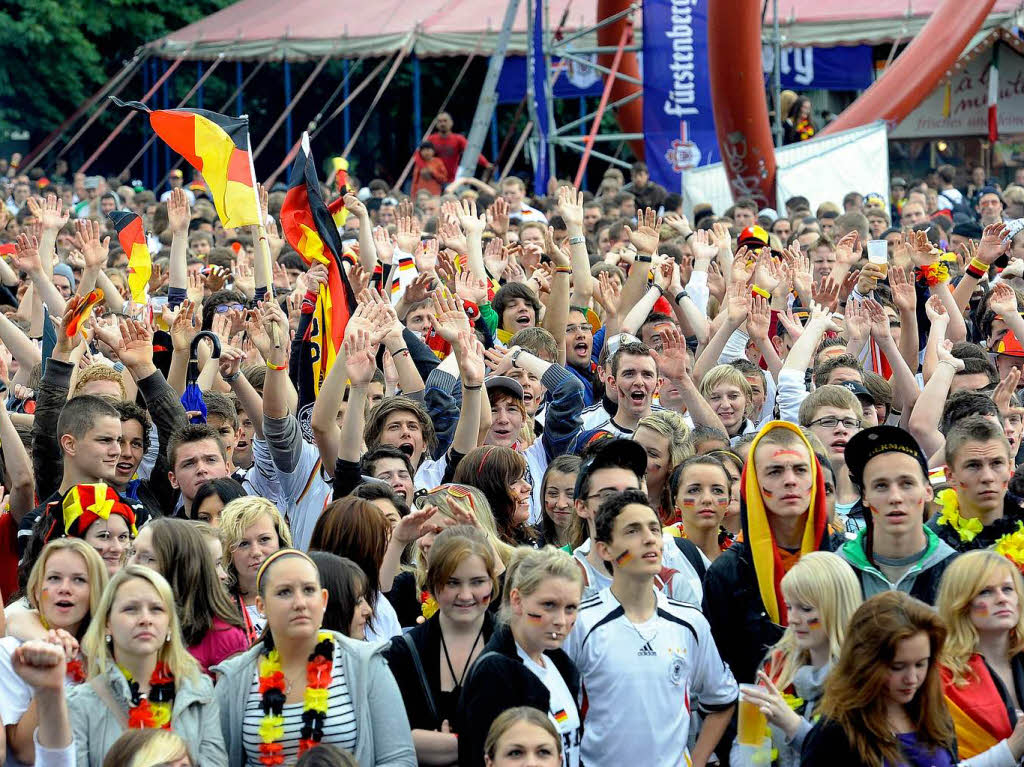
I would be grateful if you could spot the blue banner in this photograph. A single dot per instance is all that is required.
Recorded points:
(843, 68)
(537, 73)
(679, 126)
(574, 79)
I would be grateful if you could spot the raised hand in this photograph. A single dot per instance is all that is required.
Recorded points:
(570, 206)
(87, 240)
(497, 216)
(869, 277)
(408, 228)
(737, 303)
(385, 247)
(41, 664)
(679, 224)
(50, 212)
(848, 249)
(471, 223)
(230, 360)
(469, 288)
(196, 288)
(136, 347)
(217, 278)
(608, 293)
(994, 242)
(904, 294)
(179, 213)
(449, 318)
(645, 238)
(1002, 300)
(672, 359)
(419, 289)
(424, 256)
(469, 353)
(158, 277)
(944, 352)
(826, 293)
(256, 333)
(359, 361)
(355, 206)
(244, 280)
(759, 319)
(878, 318)
(26, 254)
(922, 252)
(791, 323)
(185, 326)
(358, 277)
(935, 310)
(857, 321)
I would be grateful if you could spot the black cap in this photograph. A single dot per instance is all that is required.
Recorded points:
(612, 453)
(858, 390)
(970, 230)
(867, 444)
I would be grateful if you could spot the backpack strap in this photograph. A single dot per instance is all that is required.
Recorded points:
(689, 550)
(97, 683)
(424, 684)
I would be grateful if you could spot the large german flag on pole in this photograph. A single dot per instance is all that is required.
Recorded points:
(309, 227)
(218, 147)
(133, 239)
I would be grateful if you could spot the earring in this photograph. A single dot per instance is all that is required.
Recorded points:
(109, 639)
(168, 637)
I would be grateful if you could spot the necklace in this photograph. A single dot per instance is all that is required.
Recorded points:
(153, 710)
(469, 658)
(314, 701)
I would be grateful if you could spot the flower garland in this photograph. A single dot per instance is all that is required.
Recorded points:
(76, 671)
(154, 710)
(933, 274)
(805, 129)
(1011, 546)
(428, 605)
(966, 528)
(314, 708)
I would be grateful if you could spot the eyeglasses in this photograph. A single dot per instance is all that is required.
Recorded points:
(831, 422)
(224, 308)
(604, 495)
(581, 328)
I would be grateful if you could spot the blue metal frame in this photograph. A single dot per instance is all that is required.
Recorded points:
(238, 85)
(287, 101)
(199, 93)
(417, 103)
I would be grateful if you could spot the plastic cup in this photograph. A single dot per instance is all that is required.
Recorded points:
(878, 254)
(752, 723)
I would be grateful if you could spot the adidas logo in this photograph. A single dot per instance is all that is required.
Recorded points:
(646, 650)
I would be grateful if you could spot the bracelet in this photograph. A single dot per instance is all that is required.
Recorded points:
(399, 351)
(272, 366)
(972, 271)
(472, 388)
(681, 295)
(757, 290)
(688, 236)
(233, 377)
(658, 288)
(579, 239)
(563, 270)
(644, 259)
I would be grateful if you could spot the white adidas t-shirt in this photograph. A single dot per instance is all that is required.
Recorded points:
(639, 681)
(562, 707)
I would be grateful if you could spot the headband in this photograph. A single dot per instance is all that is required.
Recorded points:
(84, 504)
(279, 554)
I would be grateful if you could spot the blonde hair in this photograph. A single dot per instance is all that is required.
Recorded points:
(829, 395)
(529, 568)
(94, 568)
(965, 577)
(726, 374)
(826, 582)
(147, 748)
(237, 517)
(451, 496)
(674, 428)
(172, 652)
(98, 372)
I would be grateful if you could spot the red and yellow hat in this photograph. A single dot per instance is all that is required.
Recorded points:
(1009, 345)
(84, 504)
(753, 237)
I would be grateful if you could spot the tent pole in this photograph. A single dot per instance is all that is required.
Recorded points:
(417, 102)
(43, 147)
(380, 92)
(196, 90)
(154, 152)
(167, 105)
(609, 81)
(286, 114)
(131, 113)
(347, 131)
(287, 101)
(239, 87)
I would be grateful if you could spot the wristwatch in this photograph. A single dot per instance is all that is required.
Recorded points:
(515, 356)
(681, 295)
(577, 240)
(644, 259)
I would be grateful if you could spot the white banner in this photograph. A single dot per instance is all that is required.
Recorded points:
(968, 102)
(822, 169)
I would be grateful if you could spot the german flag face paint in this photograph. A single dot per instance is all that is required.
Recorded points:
(535, 618)
(624, 558)
(689, 503)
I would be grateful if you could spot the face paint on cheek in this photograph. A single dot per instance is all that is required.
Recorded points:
(534, 618)
(689, 502)
(485, 599)
(766, 493)
(623, 558)
(722, 501)
(980, 610)
(814, 623)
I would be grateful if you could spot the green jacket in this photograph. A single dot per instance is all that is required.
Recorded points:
(920, 581)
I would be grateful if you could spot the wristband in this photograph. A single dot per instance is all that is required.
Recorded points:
(688, 236)
(579, 239)
(644, 259)
(396, 352)
(972, 271)
(681, 295)
(658, 287)
(472, 388)
(757, 290)
(233, 377)
(563, 270)
(272, 366)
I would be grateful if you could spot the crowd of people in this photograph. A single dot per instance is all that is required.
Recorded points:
(588, 482)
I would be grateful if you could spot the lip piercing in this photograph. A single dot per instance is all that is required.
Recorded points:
(554, 635)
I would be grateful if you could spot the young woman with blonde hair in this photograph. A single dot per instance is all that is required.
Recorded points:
(664, 435)
(983, 657)
(524, 663)
(522, 733)
(64, 590)
(149, 748)
(141, 674)
(431, 661)
(821, 593)
(251, 529)
(883, 701)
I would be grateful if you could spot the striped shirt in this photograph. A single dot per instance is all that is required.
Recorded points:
(339, 726)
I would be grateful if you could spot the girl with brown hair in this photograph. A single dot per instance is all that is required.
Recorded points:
(560, 525)
(883, 701)
(211, 625)
(430, 662)
(501, 473)
(354, 528)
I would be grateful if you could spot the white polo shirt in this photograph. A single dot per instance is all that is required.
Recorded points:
(639, 681)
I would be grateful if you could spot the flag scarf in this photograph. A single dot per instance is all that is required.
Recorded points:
(993, 94)
(218, 147)
(310, 228)
(133, 239)
(980, 715)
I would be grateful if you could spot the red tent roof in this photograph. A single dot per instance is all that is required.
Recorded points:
(299, 29)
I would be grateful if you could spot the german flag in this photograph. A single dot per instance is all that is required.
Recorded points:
(309, 227)
(133, 239)
(218, 147)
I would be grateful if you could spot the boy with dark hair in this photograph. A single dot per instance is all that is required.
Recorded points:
(642, 656)
(222, 417)
(976, 510)
(196, 455)
(517, 307)
(843, 367)
(390, 465)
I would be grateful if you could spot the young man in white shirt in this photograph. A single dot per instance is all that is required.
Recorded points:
(643, 657)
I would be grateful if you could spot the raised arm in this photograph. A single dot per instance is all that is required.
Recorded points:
(645, 240)
(94, 251)
(53, 217)
(570, 208)
(17, 467)
(557, 315)
(27, 258)
(473, 226)
(367, 249)
(988, 250)
(178, 215)
(903, 380)
(737, 307)
(671, 363)
(927, 414)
